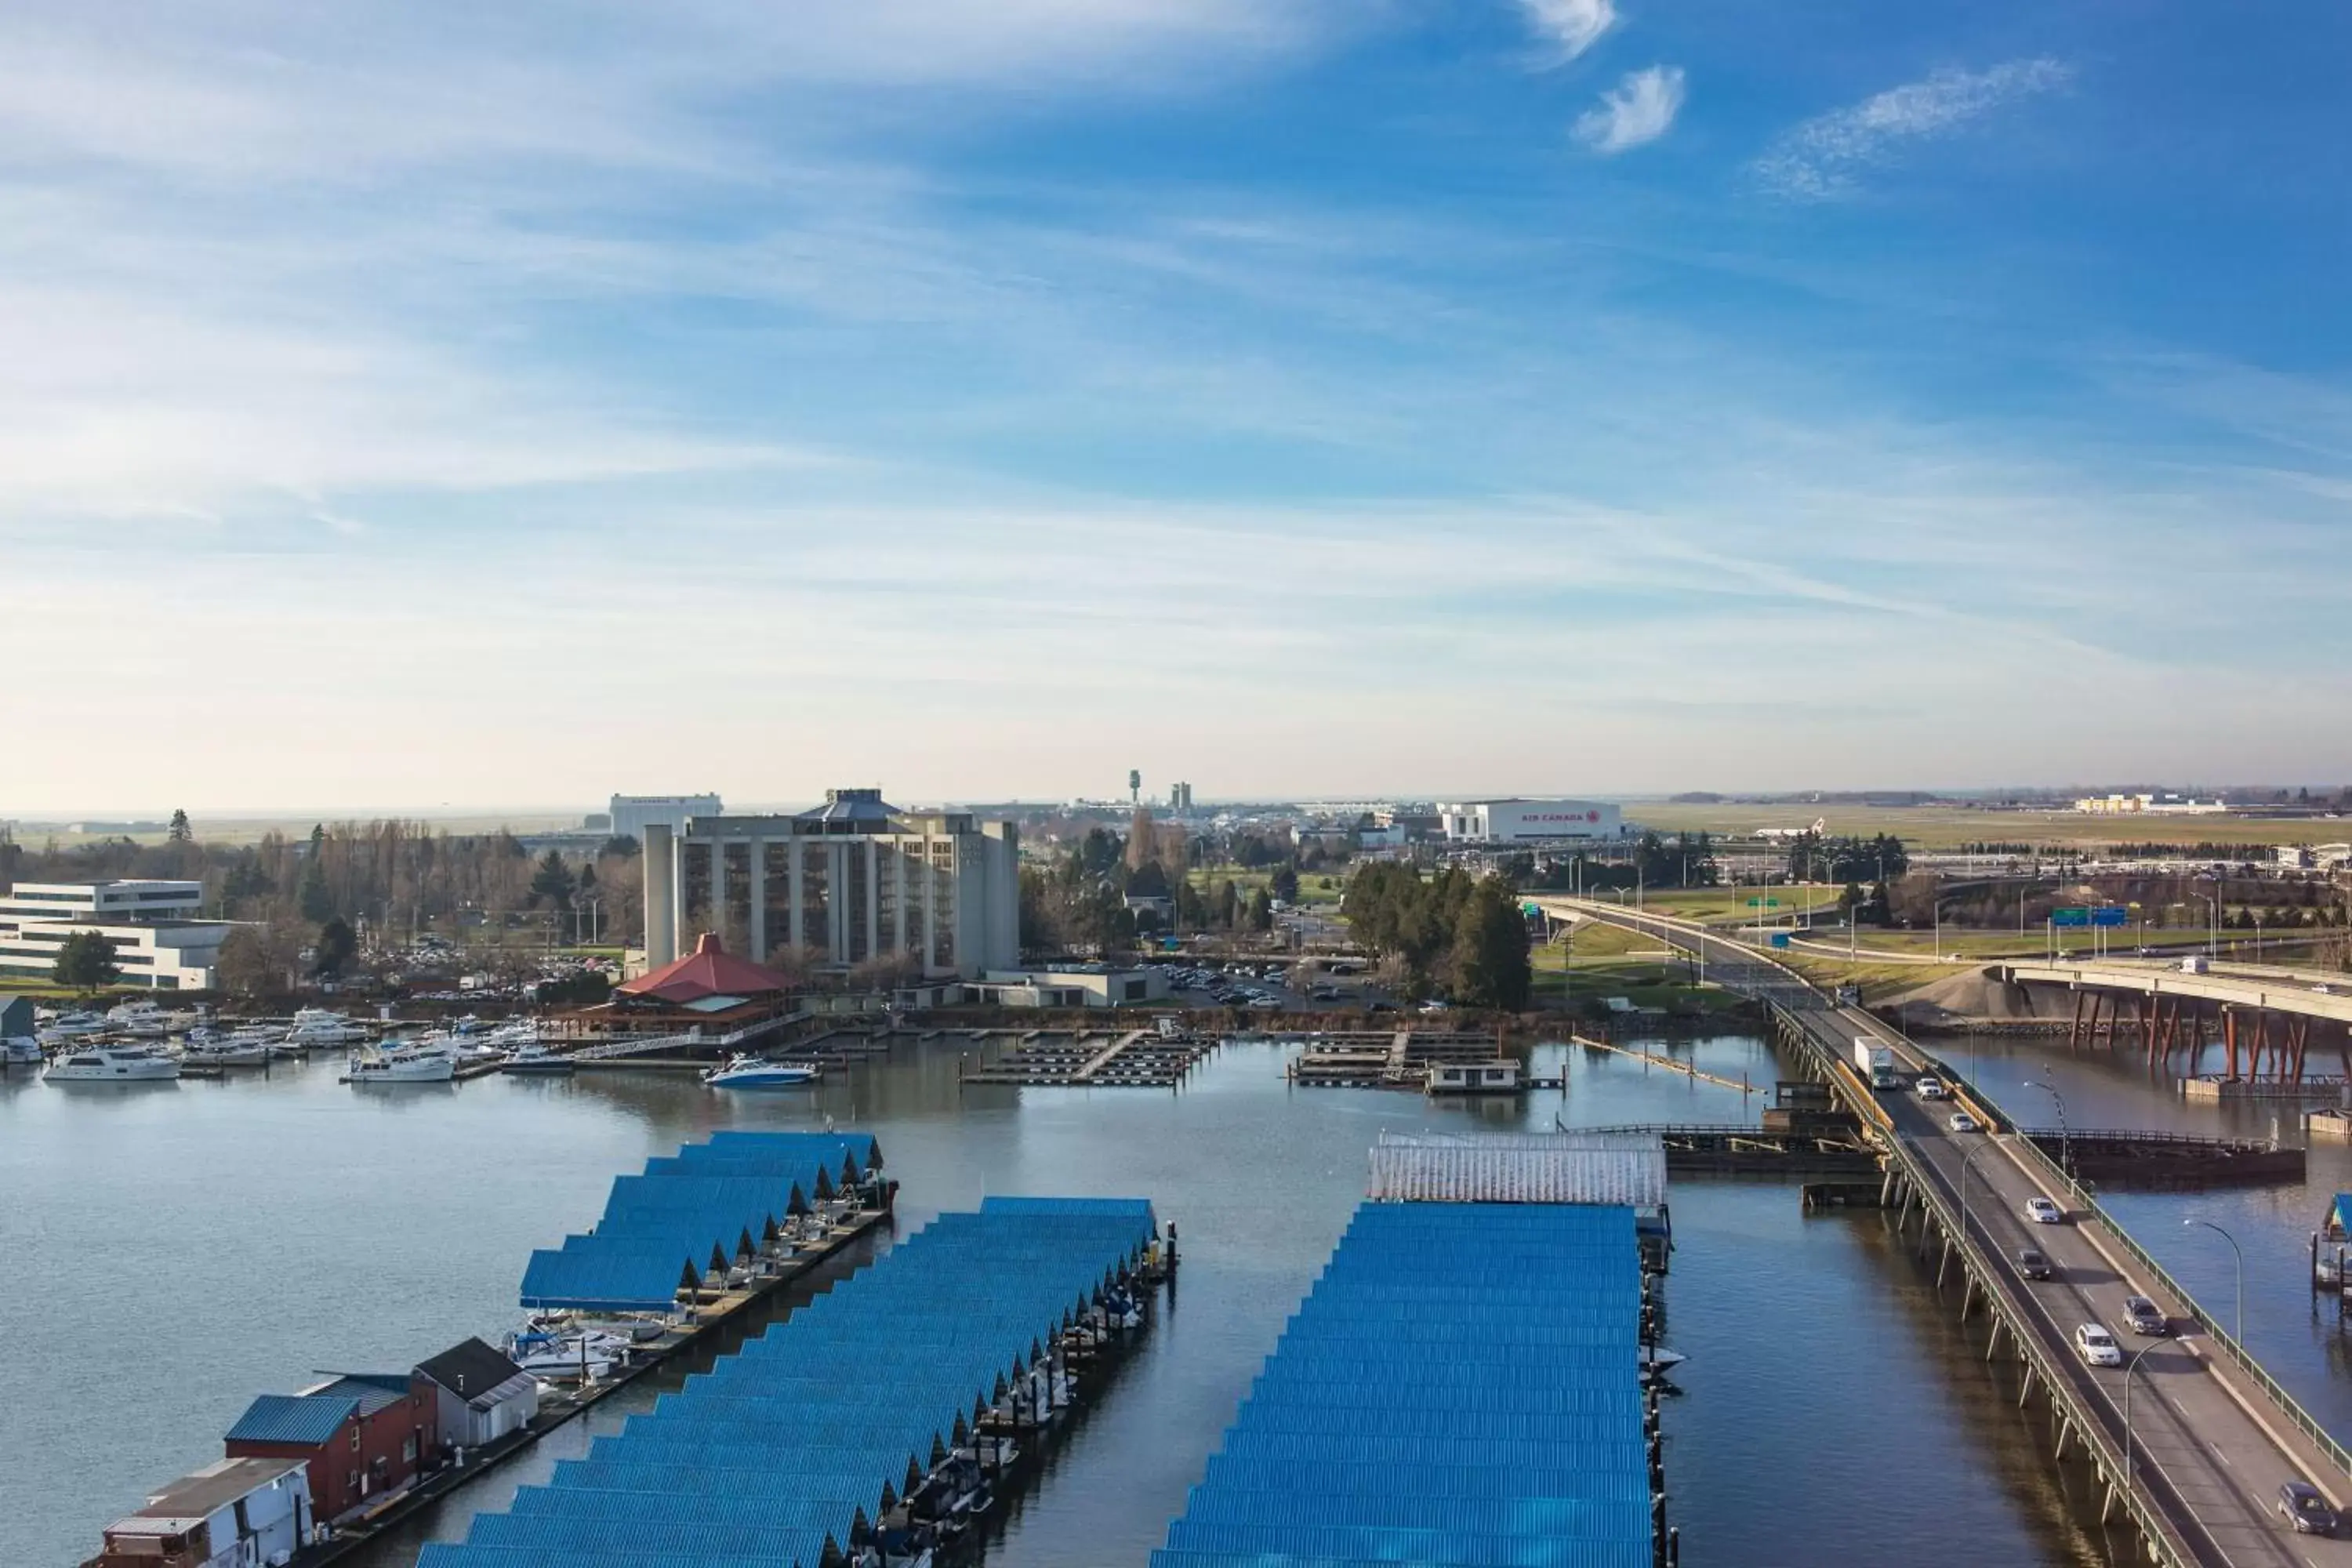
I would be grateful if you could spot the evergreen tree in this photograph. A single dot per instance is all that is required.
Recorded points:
(85, 961)
(1490, 951)
(336, 947)
(552, 883)
(180, 832)
(316, 900)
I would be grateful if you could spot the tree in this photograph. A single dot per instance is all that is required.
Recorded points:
(1258, 916)
(1284, 883)
(335, 949)
(316, 900)
(1490, 951)
(1148, 882)
(554, 883)
(85, 962)
(180, 832)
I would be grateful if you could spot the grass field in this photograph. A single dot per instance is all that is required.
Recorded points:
(1316, 889)
(1949, 827)
(1713, 905)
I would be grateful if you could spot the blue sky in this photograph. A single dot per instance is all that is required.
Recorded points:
(436, 402)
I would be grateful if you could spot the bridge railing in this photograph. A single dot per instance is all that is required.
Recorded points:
(2222, 1340)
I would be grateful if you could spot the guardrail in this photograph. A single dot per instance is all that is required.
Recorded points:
(2286, 1403)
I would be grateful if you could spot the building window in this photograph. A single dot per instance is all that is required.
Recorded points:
(355, 1439)
(408, 1449)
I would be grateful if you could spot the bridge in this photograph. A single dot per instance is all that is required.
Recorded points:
(2267, 1020)
(2191, 1438)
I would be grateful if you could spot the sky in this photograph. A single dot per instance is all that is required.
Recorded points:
(432, 404)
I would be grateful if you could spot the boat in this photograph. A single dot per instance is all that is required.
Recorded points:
(758, 1072)
(420, 1063)
(21, 1050)
(68, 1027)
(554, 1357)
(224, 1053)
(112, 1064)
(143, 1019)
(315, 1027)
(536, 1058)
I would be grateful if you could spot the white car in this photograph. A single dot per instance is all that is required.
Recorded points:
(2097, 1347)
(1931, 1087)
(1960, 1122)
(2042, 1211)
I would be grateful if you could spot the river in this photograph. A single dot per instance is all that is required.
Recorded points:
(168, 1252)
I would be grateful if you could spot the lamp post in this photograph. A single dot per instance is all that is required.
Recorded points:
(2065, 1142)
(2213, 925)
(1971, 1159)
(2238, 1318)
(2130, 1367)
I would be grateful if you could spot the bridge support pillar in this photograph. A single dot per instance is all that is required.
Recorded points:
(2025, 1387)
(1944, 1264)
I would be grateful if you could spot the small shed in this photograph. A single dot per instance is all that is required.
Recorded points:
(480, 1394)
(1499, 1077)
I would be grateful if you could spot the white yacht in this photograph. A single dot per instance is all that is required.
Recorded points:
(20, 1050)
(224, 1053)
(420, 1063)
(112, 1064)
(67, 1028)
(536, 1058)
(318, 1026)
(744, 1071)
(143, 1019)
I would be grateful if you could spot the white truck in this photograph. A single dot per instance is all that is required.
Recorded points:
(1875, 1063)
(2195, 964)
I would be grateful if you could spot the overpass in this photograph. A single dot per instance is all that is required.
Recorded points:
(2267, 1020)
(2191, 1438)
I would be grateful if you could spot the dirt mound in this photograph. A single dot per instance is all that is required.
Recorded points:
(1975, 994)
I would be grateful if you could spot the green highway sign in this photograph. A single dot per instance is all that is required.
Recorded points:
(2073, 917)
(1763, 903)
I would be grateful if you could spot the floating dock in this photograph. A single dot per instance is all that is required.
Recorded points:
(1389, 1059)
(1136, 1058)
(882, 1413)
(1463, 1385)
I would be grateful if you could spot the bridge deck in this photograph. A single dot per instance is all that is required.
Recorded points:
(2211, 1445)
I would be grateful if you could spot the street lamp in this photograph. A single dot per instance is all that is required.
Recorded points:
(2065, 1144)
(1971, 1159)
(2130, 1367)
(2238, 1321)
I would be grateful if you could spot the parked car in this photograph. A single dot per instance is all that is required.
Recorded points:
(2097, 1346)
(1931, 1087)
(1960, 1122)
(2042, 1211)
(2305, 1509)
(2031, 1263)
(2145, 1317)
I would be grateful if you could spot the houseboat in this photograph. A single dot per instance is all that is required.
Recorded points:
(1501, 1077)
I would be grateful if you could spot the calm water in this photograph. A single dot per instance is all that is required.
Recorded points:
(167, 1253)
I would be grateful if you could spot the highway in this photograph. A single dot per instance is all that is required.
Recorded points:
(2211, 1449)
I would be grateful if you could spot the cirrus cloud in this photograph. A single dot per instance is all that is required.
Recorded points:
(1823, 157)
(1636, 111)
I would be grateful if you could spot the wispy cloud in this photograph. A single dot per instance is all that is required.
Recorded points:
(1823, 157)
(1568, 27)
(1635, 112)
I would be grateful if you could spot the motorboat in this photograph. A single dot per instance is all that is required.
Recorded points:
(143, 1019)
(315, 1027)
(21, 1050)
(539, 1058)
(419, 1063)
(224, 1053)
(758, 1072)
(112, 1064)
(68, 1027)
(556, 1357)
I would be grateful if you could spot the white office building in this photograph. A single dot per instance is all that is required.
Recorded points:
(633, 814)
(1517, 821)
(158, 941)
(850, 880)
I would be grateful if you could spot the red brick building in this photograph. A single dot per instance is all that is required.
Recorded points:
(361, 1435)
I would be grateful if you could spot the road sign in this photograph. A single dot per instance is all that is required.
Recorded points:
(2073, 917)
(1763, 903)
(2110, 915)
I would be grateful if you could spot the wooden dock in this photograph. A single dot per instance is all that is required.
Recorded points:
(1136, 1058)
(1388, 1059)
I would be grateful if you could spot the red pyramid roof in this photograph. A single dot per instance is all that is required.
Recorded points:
(708, 971)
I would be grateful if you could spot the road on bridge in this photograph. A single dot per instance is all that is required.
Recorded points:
(2211, 1448)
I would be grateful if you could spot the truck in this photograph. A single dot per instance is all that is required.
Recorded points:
(1875, 1063)
(2194, 964)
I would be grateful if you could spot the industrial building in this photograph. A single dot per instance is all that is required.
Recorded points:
(631, 814)
(153, 926)
(1521, 821)
(853, 880)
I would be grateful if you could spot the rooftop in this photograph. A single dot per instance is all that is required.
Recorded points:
(709, 971)
(208, 1490)
(471, 1370)
(308, 1419)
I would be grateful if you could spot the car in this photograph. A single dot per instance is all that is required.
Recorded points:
(2031, 1263)
(2144, 1316)
(1960, 1122)
(2097, 1346)
(2305, 1509)
(1930, 1088)
(2042, 1211)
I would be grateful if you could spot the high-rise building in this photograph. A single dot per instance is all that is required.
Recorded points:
(633, 814)
(1179, 798)
(851, 881)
